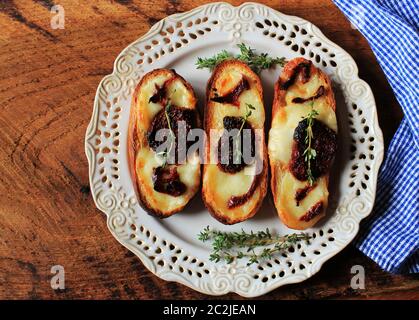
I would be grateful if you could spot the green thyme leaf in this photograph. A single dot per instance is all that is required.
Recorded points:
(237, 141)
(310, 153)
(212, 62)
(257, 62)
(231, 246)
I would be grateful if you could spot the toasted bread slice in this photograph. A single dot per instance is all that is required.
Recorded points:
(162, 189)
(233, 193)
(300, 88)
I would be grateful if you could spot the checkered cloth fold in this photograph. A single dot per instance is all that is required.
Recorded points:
(391, 235)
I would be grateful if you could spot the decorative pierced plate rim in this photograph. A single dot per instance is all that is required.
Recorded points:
(121, 207)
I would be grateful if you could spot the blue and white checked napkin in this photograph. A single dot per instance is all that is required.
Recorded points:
(391, 235)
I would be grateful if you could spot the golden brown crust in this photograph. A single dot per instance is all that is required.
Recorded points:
(216, 212)
(133, 143)
(277, 167)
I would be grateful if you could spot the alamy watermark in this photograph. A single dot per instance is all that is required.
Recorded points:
(358, 278)
(227, 147)
(58, 278)
(58, 18)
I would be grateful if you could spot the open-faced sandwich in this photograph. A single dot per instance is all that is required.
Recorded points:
(302, 143)
(235, 170)
(165, 175)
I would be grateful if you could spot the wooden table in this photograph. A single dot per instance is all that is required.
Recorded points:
(48, 80)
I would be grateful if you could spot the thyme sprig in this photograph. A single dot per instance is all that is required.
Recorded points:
(249, 109)
(257, 62)
(211, 62)
(164, 155)
(238, 153)
(226, 245)
(310, 153)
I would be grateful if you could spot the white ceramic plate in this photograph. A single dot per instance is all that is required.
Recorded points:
(169, 248)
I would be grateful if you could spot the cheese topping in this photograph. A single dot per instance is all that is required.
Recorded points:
(146, 158)
(189, 174)
(222, 186)
(288, 117)
(281, 141)
(177, 92)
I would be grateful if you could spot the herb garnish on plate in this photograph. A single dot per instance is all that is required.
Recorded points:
(230, 246)
(257, 62)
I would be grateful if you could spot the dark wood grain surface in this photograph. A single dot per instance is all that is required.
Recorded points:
(48, 80)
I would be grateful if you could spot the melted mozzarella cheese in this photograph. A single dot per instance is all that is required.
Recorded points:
(179, 94)
(280, 148)
(189, 174)
(227, 81)
(222, 186)
(146, 159)
(288, 188)
(287, 119)
(148, 110)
